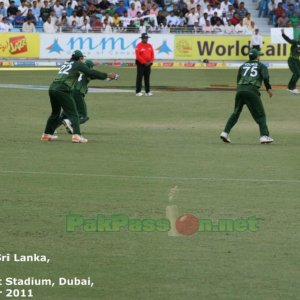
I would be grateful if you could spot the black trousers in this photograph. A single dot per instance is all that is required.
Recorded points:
(142, 72)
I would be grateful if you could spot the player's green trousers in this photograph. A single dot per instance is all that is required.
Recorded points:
(80, 103)
(252, 100)
(61, 98)
(294, 65)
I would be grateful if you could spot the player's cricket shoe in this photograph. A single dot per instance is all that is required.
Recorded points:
(67, 123)
(149, 94)
(139, 94)
(224, 136)
(265, 139)
(294, 91)
(48, 137)
(76, 138)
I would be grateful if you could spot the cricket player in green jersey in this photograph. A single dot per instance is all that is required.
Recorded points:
(249, 80)
(79, 92)
(60, 93)
(293, 62)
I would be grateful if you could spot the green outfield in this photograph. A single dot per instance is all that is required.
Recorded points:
(144, 155)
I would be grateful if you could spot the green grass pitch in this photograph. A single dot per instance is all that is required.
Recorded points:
(140, 150)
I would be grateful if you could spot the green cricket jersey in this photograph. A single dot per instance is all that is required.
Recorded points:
(295, 48)
(71, 70)
(251, 74)
(81, 84)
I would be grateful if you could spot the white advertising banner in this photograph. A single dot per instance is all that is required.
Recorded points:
(103, 46)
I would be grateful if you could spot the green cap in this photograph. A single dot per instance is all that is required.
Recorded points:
(78, 53)
(254, 53)
(89, 63)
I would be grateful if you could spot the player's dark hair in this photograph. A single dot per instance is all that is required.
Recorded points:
(74, 57)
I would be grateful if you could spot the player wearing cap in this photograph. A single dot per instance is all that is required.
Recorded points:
(60, 93)
(144, 54)
(249, 80)
(293, 62)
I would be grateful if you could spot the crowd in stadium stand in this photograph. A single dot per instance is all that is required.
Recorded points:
(163, 16)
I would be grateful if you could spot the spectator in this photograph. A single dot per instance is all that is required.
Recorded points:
(283, 21)
(142, 27)
(131, 28)
(242, 11)
(278, 12)
(49, 27)
(103, 5)
(111, 10)
(202, 21)
(3, 10)
(19, 20)
(160, 18)
(54, 19)
(109, 18)
(30, 16)
(203, 4)
(230, 12)
(196, 28)
(12, 11)
(247, 21)
(137, 4)
(294, 20)
(164, 28)
(225, 6)
(224, 18)
(85, 27)
(154, 9)
(181, 20)
(199, 10)
(72, 18)
(120, 9)
(45, 11)
(148, 4)
(214, 19)
(5, 26)
(240, 28)
(209, 11)
(192, 17)
(107, 27)
(62, 22)
(229, 28)
(182, 6)
(58, 9)
(69, 9)
(74, 3)
(36, 11)
(219, 27)
(132, 11)
(74, 27)
(235, 20)
(263, 8)
(218, 10)
(116, 20)
(191, 4)
(172, 20)
(28, 26)
(207, 28)
(271, 9)
(125, 19)
(256, 40)
(23, 8)
(97, 25)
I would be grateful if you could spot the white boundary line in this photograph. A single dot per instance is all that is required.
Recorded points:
(151, 177)
(44, 88)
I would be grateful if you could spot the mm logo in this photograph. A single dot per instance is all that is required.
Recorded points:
(17, 44)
